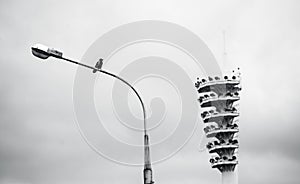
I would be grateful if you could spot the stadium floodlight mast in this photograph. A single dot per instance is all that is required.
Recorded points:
(44, 52)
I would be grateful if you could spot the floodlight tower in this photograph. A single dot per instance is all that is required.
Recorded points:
(219, 100)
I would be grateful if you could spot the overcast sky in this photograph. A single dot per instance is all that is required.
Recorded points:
(39, 140)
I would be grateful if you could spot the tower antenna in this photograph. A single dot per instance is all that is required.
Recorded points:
(224, 43)
(224, 49)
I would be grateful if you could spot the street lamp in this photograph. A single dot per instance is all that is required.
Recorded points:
(43, 52)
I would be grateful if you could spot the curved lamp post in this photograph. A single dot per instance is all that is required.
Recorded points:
(43, 52)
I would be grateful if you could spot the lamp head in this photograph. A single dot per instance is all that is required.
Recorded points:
(43, 52)
(40, 51)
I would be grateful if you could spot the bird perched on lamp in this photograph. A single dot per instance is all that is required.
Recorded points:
(98, 65)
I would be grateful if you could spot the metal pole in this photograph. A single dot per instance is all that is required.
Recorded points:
(147, 164)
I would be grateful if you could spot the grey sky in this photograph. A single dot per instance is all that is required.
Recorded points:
(39, 141)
